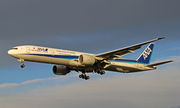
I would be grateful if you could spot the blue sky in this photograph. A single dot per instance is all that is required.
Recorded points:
(94, 27)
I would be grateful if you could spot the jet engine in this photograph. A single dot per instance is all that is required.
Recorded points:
(60, 70)
(87, 59)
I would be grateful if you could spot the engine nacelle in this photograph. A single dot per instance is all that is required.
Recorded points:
(86, 59)
(60, 70)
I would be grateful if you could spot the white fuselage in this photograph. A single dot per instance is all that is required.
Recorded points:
(70, 58)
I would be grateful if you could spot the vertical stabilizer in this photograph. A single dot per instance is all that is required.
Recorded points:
(145, 57)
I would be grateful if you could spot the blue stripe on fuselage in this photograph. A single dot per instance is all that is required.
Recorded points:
(57, 56)
(68, 57)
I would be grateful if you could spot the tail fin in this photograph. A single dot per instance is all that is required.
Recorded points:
(145, 57)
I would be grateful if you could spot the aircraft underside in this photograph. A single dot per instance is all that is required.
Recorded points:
(73, 65)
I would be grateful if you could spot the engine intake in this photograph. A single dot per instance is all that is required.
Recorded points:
(87, 59)
(60, 70)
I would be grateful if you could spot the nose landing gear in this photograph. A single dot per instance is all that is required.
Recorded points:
(22, 61)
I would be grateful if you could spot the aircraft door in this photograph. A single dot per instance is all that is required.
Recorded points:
(28, 50)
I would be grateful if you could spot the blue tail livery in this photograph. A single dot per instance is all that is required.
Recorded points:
(145, 57)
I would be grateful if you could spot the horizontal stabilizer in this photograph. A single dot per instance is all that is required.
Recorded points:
(159, 63)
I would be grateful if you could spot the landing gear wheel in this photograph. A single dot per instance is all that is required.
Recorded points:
(83, 76)
(80, 76)
(22, 66)
(87, 78)
(102, 72)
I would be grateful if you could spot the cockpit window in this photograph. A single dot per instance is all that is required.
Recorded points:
(14, 48)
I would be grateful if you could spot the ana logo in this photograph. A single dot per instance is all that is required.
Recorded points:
(146, 53)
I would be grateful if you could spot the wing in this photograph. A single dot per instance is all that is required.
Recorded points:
(123, 51)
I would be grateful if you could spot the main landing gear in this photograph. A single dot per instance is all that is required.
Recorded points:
(101, 72)
(22, 61)
(83, 76)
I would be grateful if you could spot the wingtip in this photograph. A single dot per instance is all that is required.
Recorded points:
(161, 38)
(172, 61)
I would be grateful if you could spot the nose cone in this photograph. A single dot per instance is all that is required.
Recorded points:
(9, 52)
(12, 53)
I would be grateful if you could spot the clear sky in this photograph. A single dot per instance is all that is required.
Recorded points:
(93, 26)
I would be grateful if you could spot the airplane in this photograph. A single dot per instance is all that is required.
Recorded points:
(66, 61)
